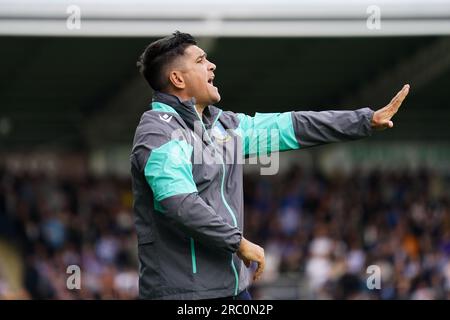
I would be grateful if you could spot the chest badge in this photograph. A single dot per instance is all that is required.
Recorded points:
(219, 133)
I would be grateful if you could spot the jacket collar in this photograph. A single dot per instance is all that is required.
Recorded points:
(186, 109)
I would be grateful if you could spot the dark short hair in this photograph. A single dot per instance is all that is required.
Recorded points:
(161, 53)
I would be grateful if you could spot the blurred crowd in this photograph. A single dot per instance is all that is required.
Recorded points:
(343, 230)
(58, 222)
(326, 228)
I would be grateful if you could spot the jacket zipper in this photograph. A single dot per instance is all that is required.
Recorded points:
(222, 194)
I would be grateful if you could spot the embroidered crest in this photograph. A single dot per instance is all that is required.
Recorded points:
(219, 132)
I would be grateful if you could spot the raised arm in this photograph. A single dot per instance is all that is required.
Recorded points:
(302, 129)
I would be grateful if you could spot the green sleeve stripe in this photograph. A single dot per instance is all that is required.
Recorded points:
(256, 133)
(169, 170)
(158, 106)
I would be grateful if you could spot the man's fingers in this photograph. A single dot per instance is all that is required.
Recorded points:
(259, 270)
(399, 97)
(382, 117)
(395, 97)
(402, 93)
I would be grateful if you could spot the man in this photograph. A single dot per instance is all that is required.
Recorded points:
(188, 196)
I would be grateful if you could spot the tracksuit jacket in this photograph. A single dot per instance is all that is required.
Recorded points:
(187, 180)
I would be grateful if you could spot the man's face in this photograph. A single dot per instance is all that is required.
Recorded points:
(198, 74)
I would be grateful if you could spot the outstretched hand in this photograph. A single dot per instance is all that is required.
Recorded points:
(382, 117)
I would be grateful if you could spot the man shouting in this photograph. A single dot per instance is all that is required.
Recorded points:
(188, 180)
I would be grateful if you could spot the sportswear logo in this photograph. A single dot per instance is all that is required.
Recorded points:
(165, 117)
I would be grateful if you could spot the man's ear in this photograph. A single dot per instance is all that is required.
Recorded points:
(176, 78)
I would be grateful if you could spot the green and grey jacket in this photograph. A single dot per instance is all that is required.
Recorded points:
(187, 179)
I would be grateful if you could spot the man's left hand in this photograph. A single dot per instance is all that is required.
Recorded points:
(382, 118)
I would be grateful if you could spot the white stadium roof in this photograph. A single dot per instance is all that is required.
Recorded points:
(234, 18)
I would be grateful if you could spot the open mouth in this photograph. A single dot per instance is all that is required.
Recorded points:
(211, 80)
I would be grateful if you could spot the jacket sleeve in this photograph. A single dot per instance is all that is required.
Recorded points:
(269, 132)
(316, 128)
(168, 171)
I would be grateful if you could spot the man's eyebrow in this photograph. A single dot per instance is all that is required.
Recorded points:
(203, 55)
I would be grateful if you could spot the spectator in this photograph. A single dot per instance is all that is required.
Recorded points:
(327, 228)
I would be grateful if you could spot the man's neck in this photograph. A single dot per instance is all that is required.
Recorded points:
(182, 97)
(200, 109)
